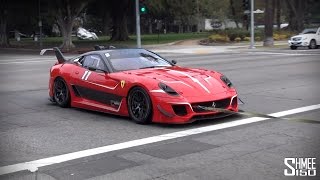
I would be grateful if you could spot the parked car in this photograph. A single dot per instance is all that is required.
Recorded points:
(307, 38)
(82, 33)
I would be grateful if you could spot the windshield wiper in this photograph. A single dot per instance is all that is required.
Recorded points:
(151, 67)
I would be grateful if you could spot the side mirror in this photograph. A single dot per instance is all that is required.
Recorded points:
(91, 68)
(174, 62)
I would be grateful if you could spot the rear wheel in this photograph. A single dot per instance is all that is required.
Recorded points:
(293, 47)
(139, 106)
(313, 44)
(61, 93)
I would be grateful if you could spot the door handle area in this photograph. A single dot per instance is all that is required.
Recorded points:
(77, 72)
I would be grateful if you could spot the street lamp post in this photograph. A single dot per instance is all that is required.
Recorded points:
(252, 25)
(138, 25)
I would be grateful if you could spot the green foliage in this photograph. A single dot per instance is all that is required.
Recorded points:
(246, 39)
(147, 39)
(282, 35)
(257, 38)
(219, 38)
(237, 39)
(234, 33)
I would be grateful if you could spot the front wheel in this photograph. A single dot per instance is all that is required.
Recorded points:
(313, 44)
(61, 93)
(139, 106)
(293, 47)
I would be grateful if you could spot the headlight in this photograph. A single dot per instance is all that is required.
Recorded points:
(167, 89)
(226, 81)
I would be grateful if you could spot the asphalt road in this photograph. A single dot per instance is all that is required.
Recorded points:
(268, 81)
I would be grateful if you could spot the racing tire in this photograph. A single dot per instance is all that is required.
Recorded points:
(313, 44)
(139, 106)
(293, 47)
(61, 93)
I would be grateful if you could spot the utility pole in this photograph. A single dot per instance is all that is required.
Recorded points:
(252, 25)
(138, 25)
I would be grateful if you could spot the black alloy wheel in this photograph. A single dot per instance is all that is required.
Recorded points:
(140, 106)
(313, 44)
(61, 93)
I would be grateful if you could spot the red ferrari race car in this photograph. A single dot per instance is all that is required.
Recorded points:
(140, 84)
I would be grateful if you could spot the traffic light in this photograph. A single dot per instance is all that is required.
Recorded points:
(142, 7)
(246, 4)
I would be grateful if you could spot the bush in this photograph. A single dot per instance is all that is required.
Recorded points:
(219, 38)
(234, 33)
(276, 37)
(246, 39)
(282, 35)
(237, 39)
(257, 38)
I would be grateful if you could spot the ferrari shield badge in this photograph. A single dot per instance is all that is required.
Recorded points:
(122, 83)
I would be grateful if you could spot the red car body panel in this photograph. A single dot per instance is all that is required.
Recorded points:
(194, 86)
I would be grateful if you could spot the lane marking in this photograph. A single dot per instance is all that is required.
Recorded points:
(25, 59)
(24, 62)
(283, 53)
(34, 165)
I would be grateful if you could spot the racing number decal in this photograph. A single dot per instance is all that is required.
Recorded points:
(86, 75)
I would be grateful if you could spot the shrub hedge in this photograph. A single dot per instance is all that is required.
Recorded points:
(238, 34)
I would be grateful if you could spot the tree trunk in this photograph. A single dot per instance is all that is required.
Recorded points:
(150, 25)
(66, 31)
(269, 15)
(120, 30)
(4, 40)
(119, 18)
(66, 12)
(296, 14)
(233, 12)
(106, 23)
(278, 16)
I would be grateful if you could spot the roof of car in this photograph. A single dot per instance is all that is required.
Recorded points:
(103, 51)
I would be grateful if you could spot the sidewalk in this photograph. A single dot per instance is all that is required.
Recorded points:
(192, 48)
(179, 47)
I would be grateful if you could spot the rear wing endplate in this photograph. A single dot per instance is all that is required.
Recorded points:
(58, 53)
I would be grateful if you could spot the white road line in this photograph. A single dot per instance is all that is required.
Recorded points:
(34, 165)
(26, 59)
(281, 53)
(24, 62)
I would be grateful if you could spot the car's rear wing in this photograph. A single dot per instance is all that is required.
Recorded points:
(61, 59)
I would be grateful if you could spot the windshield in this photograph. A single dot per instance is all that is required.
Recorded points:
(130, 59)
(309, 31)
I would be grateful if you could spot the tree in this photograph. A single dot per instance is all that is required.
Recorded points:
(269, 16)
(4, 40)
(65, 12)
(233, 12)
(119, 9)
(296, 14)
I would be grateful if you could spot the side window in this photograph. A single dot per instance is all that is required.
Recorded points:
(93, 61)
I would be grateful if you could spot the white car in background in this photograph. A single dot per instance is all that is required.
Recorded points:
(82, 33)
(307, 38)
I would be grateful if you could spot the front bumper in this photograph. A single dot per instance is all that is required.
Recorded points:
(174, 111)
(298, 43)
